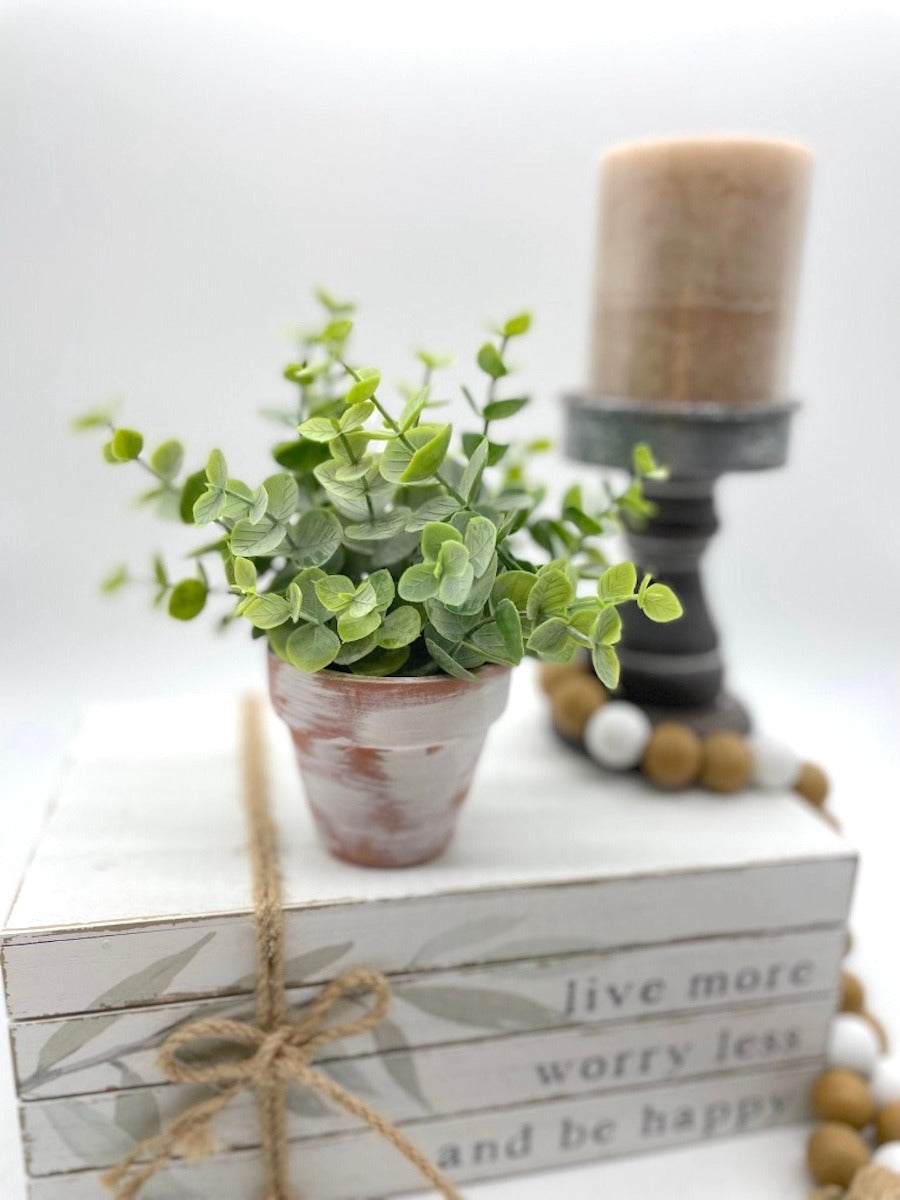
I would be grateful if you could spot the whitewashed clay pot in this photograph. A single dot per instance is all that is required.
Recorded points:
(386, 763)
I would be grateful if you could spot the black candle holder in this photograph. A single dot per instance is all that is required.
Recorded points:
(677, 670)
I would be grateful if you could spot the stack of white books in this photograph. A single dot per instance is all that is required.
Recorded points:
(593, 969)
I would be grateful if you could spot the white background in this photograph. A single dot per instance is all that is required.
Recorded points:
(175, 177)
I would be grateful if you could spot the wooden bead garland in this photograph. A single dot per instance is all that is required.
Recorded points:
(858, 1097)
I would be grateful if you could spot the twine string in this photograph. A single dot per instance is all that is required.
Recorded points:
(277, 1050)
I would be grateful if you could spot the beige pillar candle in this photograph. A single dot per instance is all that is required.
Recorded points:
(699, 250)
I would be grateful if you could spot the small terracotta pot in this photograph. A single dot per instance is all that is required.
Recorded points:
(386, 763)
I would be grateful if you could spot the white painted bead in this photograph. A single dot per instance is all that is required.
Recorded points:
(885, 1082)
(852, 1044)
(617, 734)
(775, 765)
(888, 1156)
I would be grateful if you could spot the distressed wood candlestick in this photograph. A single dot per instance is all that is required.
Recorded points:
(678, 669)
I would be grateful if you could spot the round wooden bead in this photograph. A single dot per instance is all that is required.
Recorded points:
(887, 1123)
(775, 765)
(852, 1044)
(550, 674)
(843, 1096)
(727, 762)
(886, 1081)
(573, 701)
(888, 1156)
(673, 755)
(617, 735)
(834, 1153)
(884, 1044)
(812, 784)
(853, 994)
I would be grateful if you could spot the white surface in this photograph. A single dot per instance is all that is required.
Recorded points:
(160, 229)
(153, 782)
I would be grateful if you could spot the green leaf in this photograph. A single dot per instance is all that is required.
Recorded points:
(447, 663)
(252, 541)
(450, 625)
(584, 523)
(313, 609)
(606, 665)
(188, 599)
(432, 510)
(319, 429)
(412, 410)
(479, 592)
(356, 416)
(480, 540)
(95, 419)
(608, 629)
(159, 571)
(116, 579)
(353, 651)
(351, 627)
(385, 526)
(315, 537)
(268, 611)
(496, 450)
(470, 482)
(659, 603)
(434, 535)
(300, 456)
(191, 491)
(126, 444)
(381, 662)
(499, 410)
(645, 464)
(400, 627)
(336, 331)
(312, 647)
(295, 599)
(418, 583)
(453, 559)
(259, 501)
(364, 601)
(489, 641)
(108, 455)
(454, 588)
(167, 459)
(364, 388)
(488, 358)
(217, 469)
(509, 623)
(328, 301)
(617, 583)
(383, 585)
(429, 457)
(515, 586)
(434, 361)
(244, 574)
(516, 325)
(551, 640)
(335, 592)
(283, 495)
(551, 594)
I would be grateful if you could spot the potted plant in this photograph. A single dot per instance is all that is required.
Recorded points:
(389, 565)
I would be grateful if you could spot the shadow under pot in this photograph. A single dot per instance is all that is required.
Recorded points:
(386, 762)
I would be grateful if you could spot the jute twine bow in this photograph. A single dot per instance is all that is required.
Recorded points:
(279, 1049)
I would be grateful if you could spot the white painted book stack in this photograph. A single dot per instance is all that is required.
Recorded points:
(593, 969)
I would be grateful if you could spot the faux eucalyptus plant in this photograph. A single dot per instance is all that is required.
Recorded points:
(385, 545)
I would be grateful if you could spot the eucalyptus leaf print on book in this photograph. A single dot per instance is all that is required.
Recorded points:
(150, 980)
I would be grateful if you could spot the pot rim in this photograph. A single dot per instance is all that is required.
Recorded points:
(343, 678)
